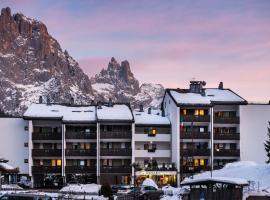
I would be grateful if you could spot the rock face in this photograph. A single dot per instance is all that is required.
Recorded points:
(118, 83)
(32, 64)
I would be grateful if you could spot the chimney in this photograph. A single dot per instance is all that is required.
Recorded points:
(163, 113)
(220, 86)
(40, 100)
(203, 92)
(141, 108)
(99, 105)
(72, 101)
(149, 110)
(48, 101)
(110, 102)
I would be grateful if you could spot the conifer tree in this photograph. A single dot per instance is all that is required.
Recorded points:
(267, 145)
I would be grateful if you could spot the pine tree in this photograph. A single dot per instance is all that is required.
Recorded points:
(267, 145)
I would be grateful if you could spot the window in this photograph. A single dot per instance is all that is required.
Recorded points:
(25, 160)
(196, 162)
(59, 162)
(154, 131)
(199, 112)
(82, 163)
(201, 162)
(26, 128)
(184, 111)
(53, 163)
(146, 146)
(146, 131)
(26, 144)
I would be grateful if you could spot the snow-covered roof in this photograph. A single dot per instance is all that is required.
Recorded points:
(117, 112)
(228, 180)
(6, 166)
(66, 113)
(155, 118)
(211, 95)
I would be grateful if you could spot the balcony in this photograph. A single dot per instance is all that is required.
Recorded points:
(116, 169)
(81, 152)
(81, 169)
(194, 169)
(194, 135)
(226, 120)
(158, 167)
(157, 154)
(226, 136)
(227, 152)
(80, 135)
(195, 152)
(47, 152)
(158, 137)
(46, 136)
(46, 169)
(116, 135)
(116, 152)
(196, 118)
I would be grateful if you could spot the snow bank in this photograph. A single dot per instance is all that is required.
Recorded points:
(149, 182)
(11, 187)
(82, 188)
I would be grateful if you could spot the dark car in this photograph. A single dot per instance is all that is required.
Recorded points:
(146, 193)
(24, 197)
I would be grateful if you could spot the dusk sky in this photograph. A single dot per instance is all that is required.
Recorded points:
(167, 42)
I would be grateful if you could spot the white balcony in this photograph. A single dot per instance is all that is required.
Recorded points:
(156, 154)
(158, 137)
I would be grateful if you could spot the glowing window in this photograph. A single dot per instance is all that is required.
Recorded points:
(154, 131)
(201, 162)
(53, 163)
(196, 162)
(201, 112)
(59, 162)
(184, 111)
(196, 112)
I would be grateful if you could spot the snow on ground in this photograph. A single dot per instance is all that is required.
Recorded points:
(11, 187)
(149, 182)
(85, 188)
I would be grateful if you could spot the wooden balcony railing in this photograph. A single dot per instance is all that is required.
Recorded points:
(116, 135)
(46, 136)
(81, 169)
(227, 152)
(226, 136)
(226, 120)
(46, 152)
(80, 135)
(196, 118)
(116, 152)
(116, 169)
(46, 169)
(195, 152)
(81, 152)
(194, 135)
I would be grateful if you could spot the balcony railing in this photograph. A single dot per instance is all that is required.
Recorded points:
(194, 169)
(159, 167)
(46, 136)
(226, 120)
(195, 152)
(196, 118)
(226, 136)
(116, 169)
(194, 135)
(80, 135)
(47, 152)
(46, 169)
(81, 169)
(227, 152)
(152, 150)
(116, 152)
(81, 152)
(115, 135)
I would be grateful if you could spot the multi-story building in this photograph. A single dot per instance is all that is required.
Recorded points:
(205, 127)
(152, 147)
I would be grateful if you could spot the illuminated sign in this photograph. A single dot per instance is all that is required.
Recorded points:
(157, 173)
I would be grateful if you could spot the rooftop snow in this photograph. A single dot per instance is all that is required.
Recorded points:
(67, 113)
(116, 112)
(153, 118)
(6, 166)
(211, 95)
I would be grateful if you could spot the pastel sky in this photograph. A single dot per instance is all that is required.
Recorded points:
(167, 42)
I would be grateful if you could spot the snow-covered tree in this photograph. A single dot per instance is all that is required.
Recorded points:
(267, 145)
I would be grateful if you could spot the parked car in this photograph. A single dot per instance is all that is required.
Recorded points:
(124, 189)
(146, 193)
(24, 197)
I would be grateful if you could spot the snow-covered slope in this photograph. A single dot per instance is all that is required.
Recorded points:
(119, 83)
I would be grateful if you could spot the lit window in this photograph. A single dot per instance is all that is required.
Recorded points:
(184, 111)
(154, 131)
(201, 162)
(59, 162)
(201, 112)
(196, 112)
(53, 163)
(82, 163)
(196, 162)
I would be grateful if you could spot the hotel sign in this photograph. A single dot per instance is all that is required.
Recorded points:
(157, 173)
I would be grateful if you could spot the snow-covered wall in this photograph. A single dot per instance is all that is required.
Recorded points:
(253, 132)
(12, 138)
